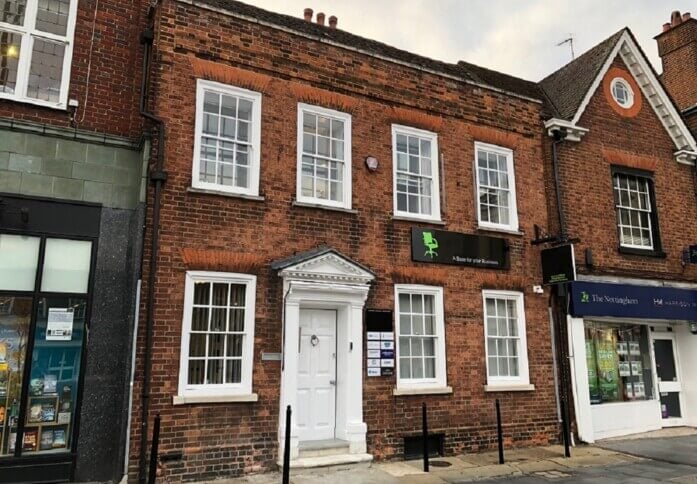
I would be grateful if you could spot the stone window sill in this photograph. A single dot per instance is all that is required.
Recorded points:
(422, 391)
(500, 231)
(323, 207)
(207, 191)
(190, 399)
(509, 388)
(404, 218)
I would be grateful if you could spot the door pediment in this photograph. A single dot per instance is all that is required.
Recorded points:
(323, 264)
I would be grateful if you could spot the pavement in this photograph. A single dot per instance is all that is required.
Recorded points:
(642, 460)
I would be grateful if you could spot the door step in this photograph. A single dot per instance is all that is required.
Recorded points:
(325, 453)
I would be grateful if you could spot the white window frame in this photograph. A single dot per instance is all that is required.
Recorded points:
(244, 388)
(440, 381)
(627, 87)
(347, 182)
(435, 172)
(28, 32)
(254, 97)
(512, 226)
(523, 379)
(619, 207)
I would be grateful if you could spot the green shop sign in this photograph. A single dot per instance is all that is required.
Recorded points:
(443, 247)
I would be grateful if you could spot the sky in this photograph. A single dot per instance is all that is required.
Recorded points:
(517, 37)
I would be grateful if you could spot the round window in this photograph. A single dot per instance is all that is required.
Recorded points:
(622, 93)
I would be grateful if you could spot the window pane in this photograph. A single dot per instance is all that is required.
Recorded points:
(405, 368)
(197, 345)
(215, 372)
(218, 319)
(216, 344)
(220, 297)
(46, 70)
(493, 366)
(15, 317)
(10, 45)
(404, 347)
(199, 319)
(52, 16)
(234, 345)
(19, 256)
(429, 368)
(66, 265)
(429, 346)
(233, 371)
(244, 110)
(237, 320)
(417, 368)
(201, 292)
(12, 11)
(196, 369)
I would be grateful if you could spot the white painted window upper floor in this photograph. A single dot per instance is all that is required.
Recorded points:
(36, 46)
(496, 198)
(324, 157)
(415, 173)
(228, 139)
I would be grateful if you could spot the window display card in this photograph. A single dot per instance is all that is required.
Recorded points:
(634, 348)
(639, 390)
(373, 353)
(388, 363)
(630, 392)
(59, 326)
(50, 384)
(624, 368)
(386, 345)
(373, 335)
(622, 348)
(389, 336)
(59, 438)
(46, 439)
(63, 417)
(373, 371)
(374, 363)
(636, 367)
(373, 345)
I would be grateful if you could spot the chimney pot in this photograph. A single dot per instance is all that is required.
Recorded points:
(675, 18)
(320, 18)
(685, 17)
(666, 26)
(307, 13)
(333, 21)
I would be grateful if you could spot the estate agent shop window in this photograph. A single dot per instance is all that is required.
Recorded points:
(43, 309)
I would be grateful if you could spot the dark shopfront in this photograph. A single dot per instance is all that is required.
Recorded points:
(48, 262)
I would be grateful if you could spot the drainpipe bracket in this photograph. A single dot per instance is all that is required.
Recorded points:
(158, 176)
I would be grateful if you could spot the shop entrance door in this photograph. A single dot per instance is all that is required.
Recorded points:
(668, 376)
(316, 417)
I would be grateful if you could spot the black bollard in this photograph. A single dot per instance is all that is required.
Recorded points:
(286, 449)
(425, 435)
(565, 427)
(152, 475)
(499, 430)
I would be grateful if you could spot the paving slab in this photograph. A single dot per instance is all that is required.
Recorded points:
(676, 450)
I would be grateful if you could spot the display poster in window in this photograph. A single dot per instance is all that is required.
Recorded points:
(634, 348)
(592, 372)
(608, 373)
(639, 391)
(636, 368)
(624, 368)
(629, 390)
(59, 326)
(622, 348)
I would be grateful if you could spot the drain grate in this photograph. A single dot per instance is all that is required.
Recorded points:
(440, 463)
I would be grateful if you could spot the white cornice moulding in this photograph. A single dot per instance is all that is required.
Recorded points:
(573, 132)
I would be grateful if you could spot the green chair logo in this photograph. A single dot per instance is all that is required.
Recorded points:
(431, 244)
(585, 297)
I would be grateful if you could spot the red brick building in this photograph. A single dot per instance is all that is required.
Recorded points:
(625, 163)
(313, 177)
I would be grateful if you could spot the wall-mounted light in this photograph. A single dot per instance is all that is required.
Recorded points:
(371, 162)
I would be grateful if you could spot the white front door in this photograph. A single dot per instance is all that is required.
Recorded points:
(316, 404)
(668, 376)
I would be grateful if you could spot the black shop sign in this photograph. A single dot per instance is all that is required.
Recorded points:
(443, 247)
(558, 265)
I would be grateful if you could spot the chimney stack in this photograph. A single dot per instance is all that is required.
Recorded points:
(307, 13)
(677, 47)
(333, 21)
(320, 18)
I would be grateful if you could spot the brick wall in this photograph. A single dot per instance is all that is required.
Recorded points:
(639, 142)
(678, 50)
(232, 439)
(108, 97)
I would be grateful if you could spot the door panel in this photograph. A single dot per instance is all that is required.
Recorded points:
(669, 385)
(316, 415)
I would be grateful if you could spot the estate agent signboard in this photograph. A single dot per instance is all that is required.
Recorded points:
(442, 247)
